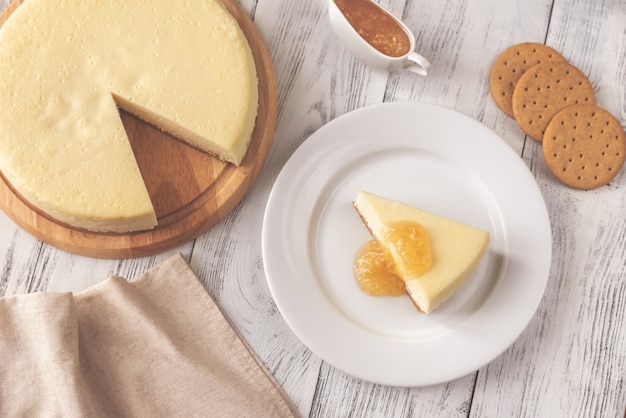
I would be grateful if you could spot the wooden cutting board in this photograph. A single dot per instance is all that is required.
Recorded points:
(190, 190)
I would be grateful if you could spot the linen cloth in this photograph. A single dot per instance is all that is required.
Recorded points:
(157, 346)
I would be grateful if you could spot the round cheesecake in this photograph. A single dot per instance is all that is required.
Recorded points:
(66, 67)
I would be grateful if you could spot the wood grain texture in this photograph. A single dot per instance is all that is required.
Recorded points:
(571, 359)
(191, 191)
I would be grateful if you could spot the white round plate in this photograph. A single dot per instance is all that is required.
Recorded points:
(428, 157)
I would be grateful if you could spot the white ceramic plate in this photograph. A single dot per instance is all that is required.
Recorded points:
(428, 157)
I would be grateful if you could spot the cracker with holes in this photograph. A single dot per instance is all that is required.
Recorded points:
(509, 67)
(584, 146)
(544, 90)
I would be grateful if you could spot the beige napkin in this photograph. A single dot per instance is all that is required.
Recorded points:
(156, 346)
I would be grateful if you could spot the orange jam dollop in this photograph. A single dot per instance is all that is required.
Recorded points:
(412, 246)
(376, 272)
(373, 270)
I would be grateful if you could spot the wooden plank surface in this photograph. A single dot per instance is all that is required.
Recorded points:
(571, 359)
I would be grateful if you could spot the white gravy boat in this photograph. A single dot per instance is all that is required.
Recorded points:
(368, 54)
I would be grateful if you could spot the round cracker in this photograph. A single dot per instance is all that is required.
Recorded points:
(543, 90)
(509, 67)
(584, 146)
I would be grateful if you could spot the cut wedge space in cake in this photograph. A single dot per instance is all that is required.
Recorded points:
(66, 66)
(456, 248)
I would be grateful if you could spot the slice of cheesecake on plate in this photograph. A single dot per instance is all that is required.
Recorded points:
(456, 249)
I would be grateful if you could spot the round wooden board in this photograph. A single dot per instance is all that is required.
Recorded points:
(191, 191)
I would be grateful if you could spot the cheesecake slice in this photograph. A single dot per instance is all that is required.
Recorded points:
(456, 248)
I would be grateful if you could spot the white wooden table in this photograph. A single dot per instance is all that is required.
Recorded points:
(570, 361)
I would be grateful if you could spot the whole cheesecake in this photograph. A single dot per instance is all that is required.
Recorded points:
(457, 249)
(65, 68)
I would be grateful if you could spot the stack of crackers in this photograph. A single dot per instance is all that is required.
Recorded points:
(553, 102)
